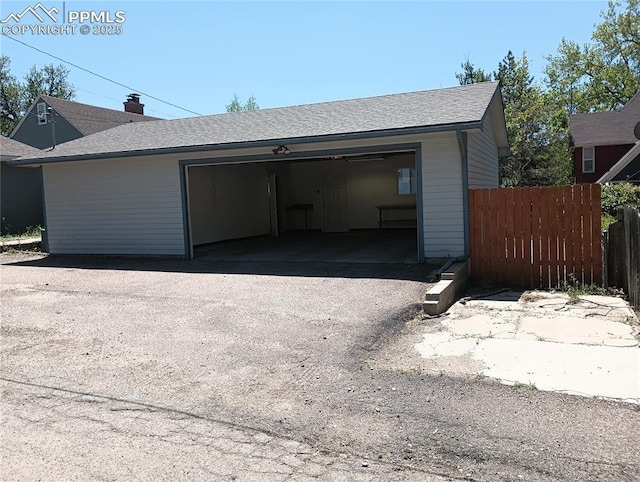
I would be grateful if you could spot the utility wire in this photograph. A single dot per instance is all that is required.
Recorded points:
(119, 100)
(93, 118)
(98, 75)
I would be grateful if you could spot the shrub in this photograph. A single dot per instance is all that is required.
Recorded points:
(615, 196)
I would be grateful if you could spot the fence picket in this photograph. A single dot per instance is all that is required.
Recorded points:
(517, 239)
(545, 200)
(596, 234)
(578, 232)
(554, 256)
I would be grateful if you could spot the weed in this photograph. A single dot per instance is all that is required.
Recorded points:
(628, 320)
(527, 386)
(575, 288)
(30, 232)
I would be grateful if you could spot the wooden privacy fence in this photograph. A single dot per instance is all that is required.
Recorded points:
(536, 237)
(622, 254)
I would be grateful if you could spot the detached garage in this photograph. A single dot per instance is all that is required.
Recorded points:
(395, 163)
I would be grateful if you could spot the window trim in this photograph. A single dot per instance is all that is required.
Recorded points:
(592, 159)
(412, 184)
(41, 113)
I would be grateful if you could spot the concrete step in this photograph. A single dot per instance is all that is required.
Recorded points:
(446, 291)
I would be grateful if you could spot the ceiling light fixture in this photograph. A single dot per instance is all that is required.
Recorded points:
(284, 149)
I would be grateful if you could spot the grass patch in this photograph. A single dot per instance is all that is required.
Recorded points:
(526, 386)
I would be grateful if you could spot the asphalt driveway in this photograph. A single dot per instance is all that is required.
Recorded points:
(120, 369)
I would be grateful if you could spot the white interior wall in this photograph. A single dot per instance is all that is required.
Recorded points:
(228, 202)
(375, 183)
(306, 188)
(369, 184)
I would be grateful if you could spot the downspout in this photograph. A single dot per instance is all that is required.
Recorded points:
(44, 233)
(463, 145)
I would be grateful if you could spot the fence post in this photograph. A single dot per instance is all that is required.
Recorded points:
(605, 259)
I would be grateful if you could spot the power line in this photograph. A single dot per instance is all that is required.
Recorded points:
(98, 75)
(118, 100)
(94, 118)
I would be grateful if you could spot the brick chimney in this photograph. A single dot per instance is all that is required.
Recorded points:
(133, 104)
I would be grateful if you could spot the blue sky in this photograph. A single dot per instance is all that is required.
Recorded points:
(198, 54)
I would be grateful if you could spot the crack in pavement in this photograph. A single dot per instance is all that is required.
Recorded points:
(261, 453)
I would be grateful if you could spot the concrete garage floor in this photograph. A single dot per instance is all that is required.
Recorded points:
(360, 246)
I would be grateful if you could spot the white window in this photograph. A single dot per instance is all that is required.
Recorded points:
(42, 113)
(588, 159)
(407, 182)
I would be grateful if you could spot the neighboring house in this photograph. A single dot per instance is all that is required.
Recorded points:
(599, 140)
(626, 169)
(20, 188)
(51, 121)
(164, 187)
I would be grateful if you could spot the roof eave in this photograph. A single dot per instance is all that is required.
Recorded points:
(621, 164)
(252, 144)
(26, 114)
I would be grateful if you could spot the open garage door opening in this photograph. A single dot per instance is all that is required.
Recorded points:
(342, 208)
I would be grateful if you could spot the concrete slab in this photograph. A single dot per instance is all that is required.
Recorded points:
(482, 326)
(601, 371)
(586, 346)
(572, 329)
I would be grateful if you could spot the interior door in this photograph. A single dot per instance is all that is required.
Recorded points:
(334, 204)
(272, 187)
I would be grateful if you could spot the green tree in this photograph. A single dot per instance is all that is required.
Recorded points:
(48, 80)
(536, 128)
(11, 97)
(236, 105)
(16, 96)
(471, 75)
(604, 73)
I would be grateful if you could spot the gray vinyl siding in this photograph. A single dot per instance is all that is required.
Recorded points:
(443, 218)
(483, 157)
(114, 207)
(40, 136)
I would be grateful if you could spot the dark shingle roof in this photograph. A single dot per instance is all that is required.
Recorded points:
(606, 128)
(11, 148)
(442, 107)
(89, 119)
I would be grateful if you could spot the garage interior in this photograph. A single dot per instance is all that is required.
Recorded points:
(354, 208)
